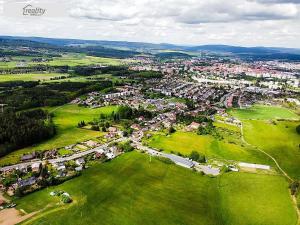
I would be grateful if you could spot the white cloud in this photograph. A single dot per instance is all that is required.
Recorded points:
(238, 22)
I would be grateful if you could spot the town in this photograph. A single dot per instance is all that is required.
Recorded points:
(72, 121)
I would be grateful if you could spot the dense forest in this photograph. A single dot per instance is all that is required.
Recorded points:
(25, 95)
(116, 71)
(18, 130)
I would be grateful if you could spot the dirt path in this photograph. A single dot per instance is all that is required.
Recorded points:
(278, 166)
(12, 216)
(267, 154)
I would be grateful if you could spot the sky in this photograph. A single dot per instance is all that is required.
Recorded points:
(187, 22)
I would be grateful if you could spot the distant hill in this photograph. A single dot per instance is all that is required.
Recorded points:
(60, 45)
(127, 49)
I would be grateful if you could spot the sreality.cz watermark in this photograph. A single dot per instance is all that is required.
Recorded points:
(30, 10)
(36, 9)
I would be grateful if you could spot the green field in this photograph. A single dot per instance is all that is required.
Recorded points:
(262, 112)
(278, 138)
(30, 77)
(186, 142)
(131, 190)
(69, 59)
(256, 199)
(66, 118)
(89, 78)
(79, 60)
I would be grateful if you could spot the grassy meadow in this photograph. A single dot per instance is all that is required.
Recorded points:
(263, 112)
(66, 118)
(132, 190)
(250, 199)
(276, 137)
(230, 148)
(279, 140)
(30, 77)
(79, 60)
(68, 59)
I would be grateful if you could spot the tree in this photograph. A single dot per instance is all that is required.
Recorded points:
(196, 156)
(95, 127)
(298, 129)
(172, 130)
(294, 186)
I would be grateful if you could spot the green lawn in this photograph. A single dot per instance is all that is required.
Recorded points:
(261, 112)
(66, 119)
(30, 77)
(131, 190)
(186, 142)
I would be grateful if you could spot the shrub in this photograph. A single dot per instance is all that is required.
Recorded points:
(196, 156)
(298, 129)
(165, 160)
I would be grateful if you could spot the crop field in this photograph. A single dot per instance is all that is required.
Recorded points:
(132, 190)
(30, 77)
(66, 118)
(186, 142)
(262, 112)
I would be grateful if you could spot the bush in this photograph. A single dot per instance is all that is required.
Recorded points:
(95, 127)
(126, 147)
(171, 130)
(165, 160)
(195, 156)
(298, 129)
(294, 186)
(65, 198)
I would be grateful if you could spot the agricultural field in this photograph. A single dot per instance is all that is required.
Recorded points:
(68, 59)
(262, 112)
(30, 77)
(249, 198)
(276, 137)
(79, 60)
(279, 139)
(66, 118)
(88, 78)
(143, 192)
(185, 142)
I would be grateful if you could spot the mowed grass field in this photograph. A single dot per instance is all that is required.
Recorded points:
(132, 190)
(278, 138)
(66, 118)
(186, 142)
(263, 112)
(30, 77)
